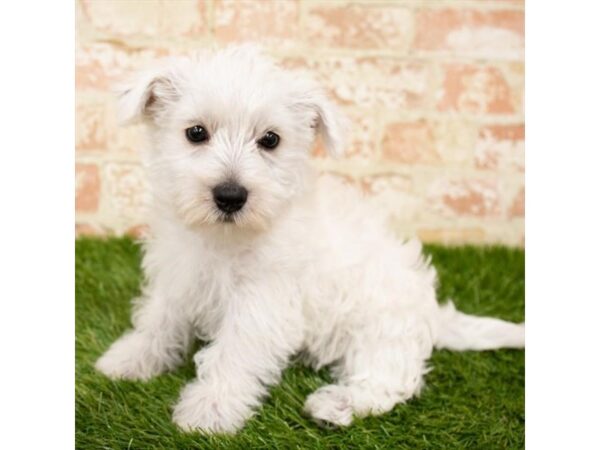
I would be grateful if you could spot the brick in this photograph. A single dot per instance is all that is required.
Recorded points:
(126, 140)
(501, 147)
(515, 76)
(391, 194)
(465, 197)
(371, 82)
(383, 183)
(429, 142)
(86, 229)
(517, 208)
(362, 142)
(477, 89)
(488, 34)
(126, 189)
(149, 18)
(359, 26)
(410, 143)
(87, 187)
(394, 195)
(100, 65)
(267, 21)
(91, 130)
(455, 141)
(97, 130)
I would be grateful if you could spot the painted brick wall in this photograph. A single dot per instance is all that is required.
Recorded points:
(434, 87)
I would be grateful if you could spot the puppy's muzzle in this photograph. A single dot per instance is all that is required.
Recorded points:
(230, 196)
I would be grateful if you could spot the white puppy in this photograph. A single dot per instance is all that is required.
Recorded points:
(253, 253)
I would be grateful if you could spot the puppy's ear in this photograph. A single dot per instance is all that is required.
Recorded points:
(145, 95)
(329, 121)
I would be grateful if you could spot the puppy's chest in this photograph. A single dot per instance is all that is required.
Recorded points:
(221, 280)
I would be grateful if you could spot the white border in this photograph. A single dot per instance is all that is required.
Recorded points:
(562, 225)
(37, 231)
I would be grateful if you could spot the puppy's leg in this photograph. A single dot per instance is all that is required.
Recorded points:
(160, 337)
(260, 330)
(374, 375)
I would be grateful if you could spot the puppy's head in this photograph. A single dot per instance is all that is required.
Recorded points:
(230, 135)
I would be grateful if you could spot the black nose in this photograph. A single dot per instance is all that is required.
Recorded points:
(229, 196)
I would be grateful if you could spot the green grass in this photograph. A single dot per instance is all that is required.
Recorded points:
(471, 400)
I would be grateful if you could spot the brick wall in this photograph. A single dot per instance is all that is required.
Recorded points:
(434, 87)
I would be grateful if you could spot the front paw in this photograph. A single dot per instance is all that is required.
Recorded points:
(131, 357)
(210, 408)
(330, 405)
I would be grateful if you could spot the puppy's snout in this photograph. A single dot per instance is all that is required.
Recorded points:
(230, 197)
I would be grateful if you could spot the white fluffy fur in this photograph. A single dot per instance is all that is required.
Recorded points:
(307, 265)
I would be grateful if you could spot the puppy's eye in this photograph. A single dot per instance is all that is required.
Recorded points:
(196, 134)
(269, 141)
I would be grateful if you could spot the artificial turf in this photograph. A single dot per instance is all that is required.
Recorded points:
(471, 399)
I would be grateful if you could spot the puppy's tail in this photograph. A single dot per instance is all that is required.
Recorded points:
(459, 331)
